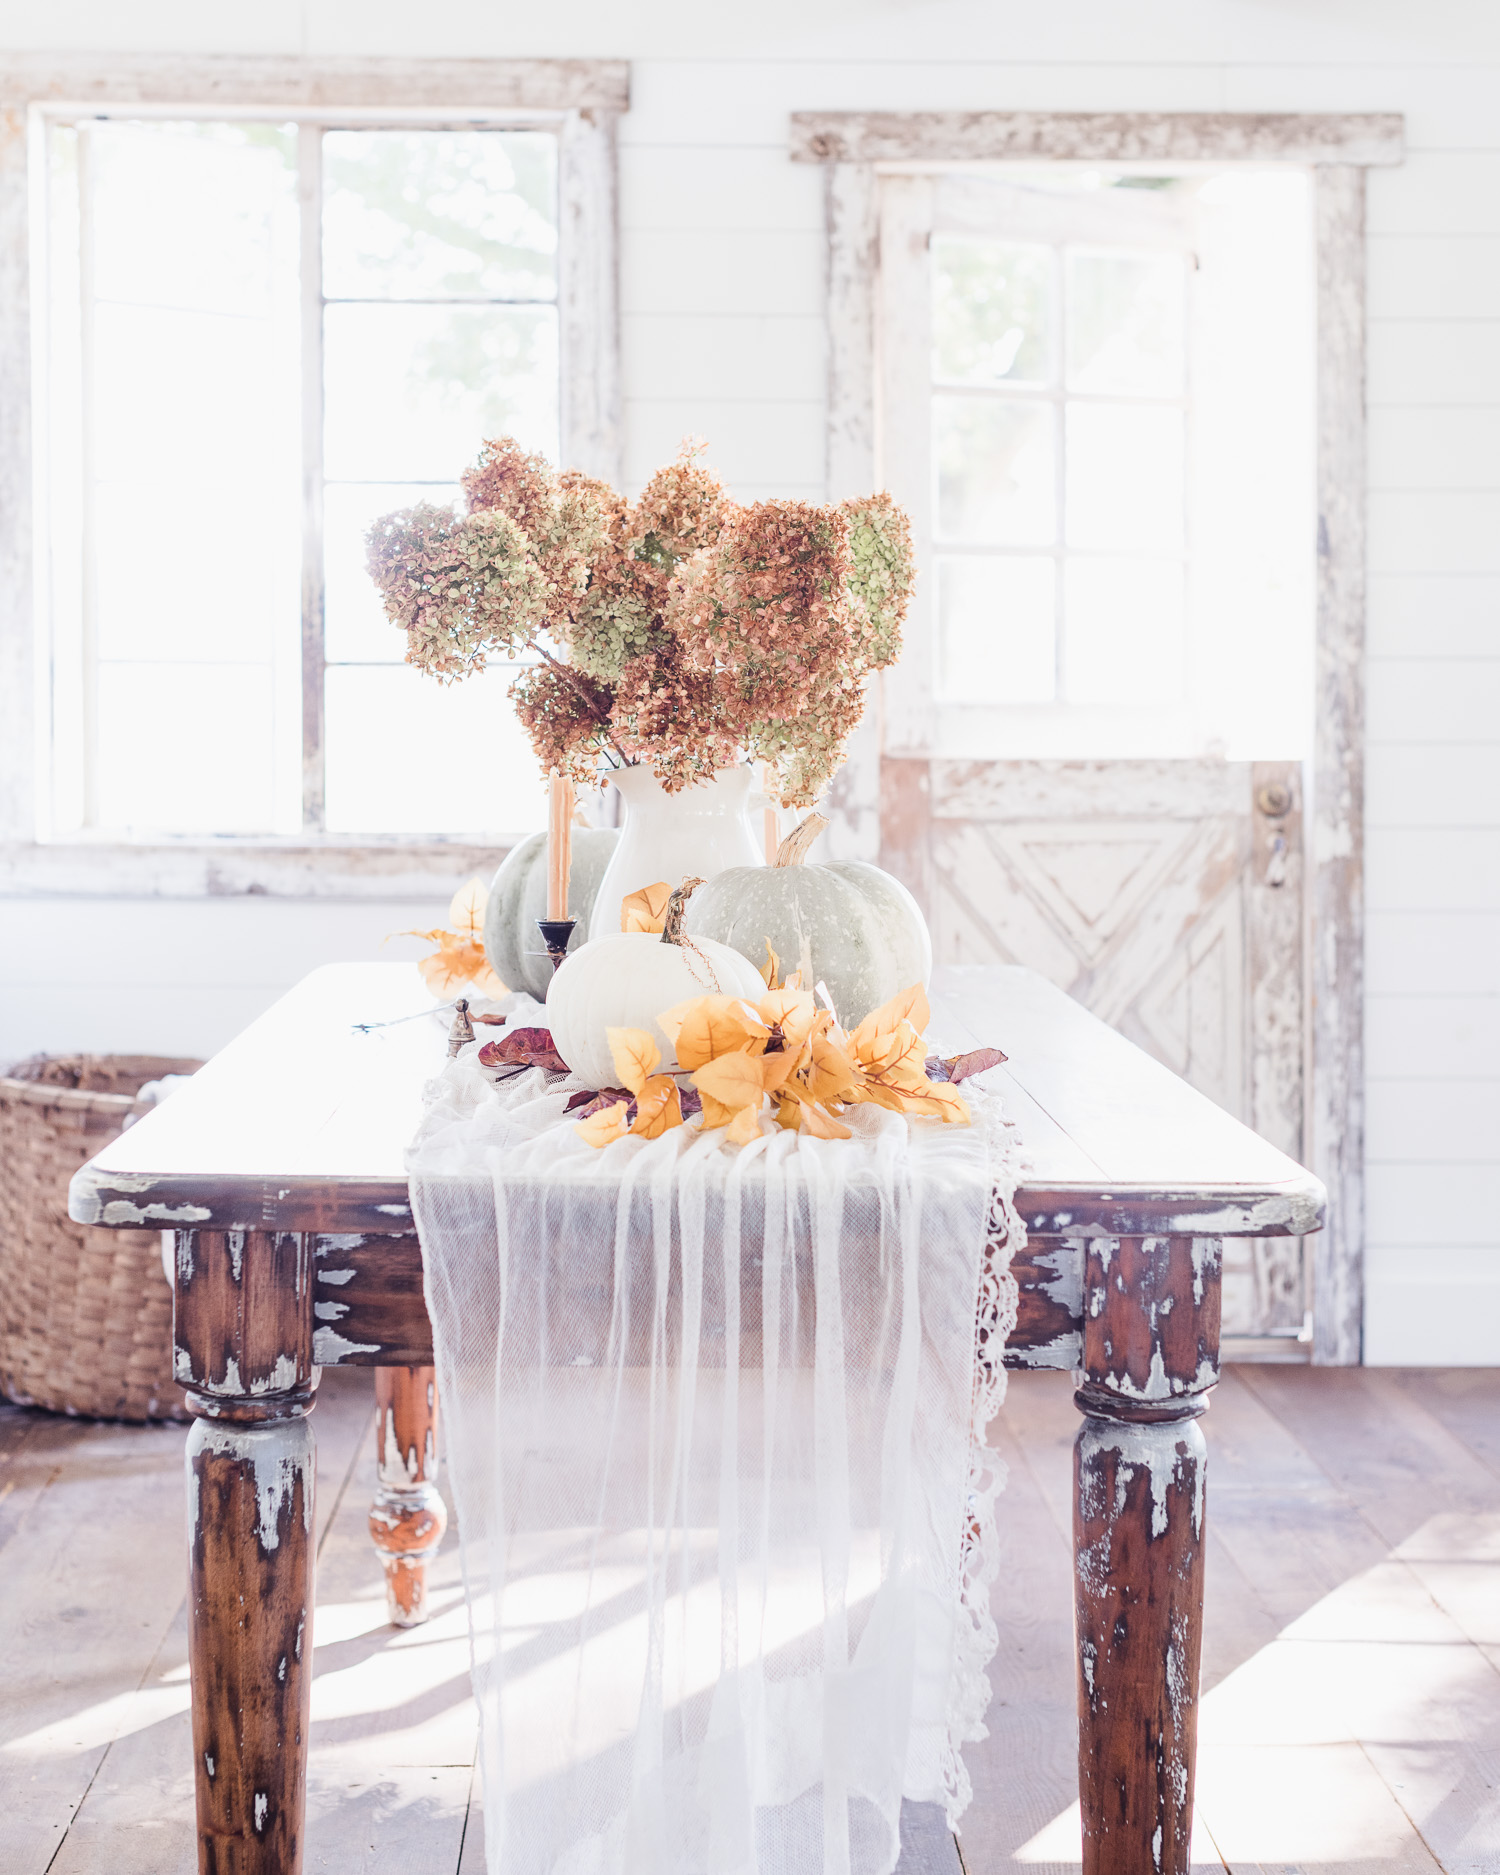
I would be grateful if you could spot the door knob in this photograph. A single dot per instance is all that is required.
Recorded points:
(1274, 799)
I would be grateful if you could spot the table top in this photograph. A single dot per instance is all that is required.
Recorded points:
(301, 1123)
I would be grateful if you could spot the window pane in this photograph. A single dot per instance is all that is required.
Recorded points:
(1125, 477)
(992, 311)
(433, 214)
(1126, 323)
(355, 627)
(412, 391)
(409, 755)
(186, 748)
(201, 596)
(189, 489)
(996, 471)
(996, 630)
(201, 216)
(1123, 641)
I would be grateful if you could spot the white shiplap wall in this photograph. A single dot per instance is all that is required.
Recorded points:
(722, 300)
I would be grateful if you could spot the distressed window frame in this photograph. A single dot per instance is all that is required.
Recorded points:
(582, 100)
(1337, 148)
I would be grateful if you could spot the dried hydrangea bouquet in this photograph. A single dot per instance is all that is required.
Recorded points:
(683, 630)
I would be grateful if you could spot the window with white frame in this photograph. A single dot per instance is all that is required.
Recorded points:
(254, 337)
(1097, 397)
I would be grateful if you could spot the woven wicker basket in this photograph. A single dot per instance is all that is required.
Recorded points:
(85, 1314)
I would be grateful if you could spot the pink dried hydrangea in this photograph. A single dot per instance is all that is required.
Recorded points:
(684, 630)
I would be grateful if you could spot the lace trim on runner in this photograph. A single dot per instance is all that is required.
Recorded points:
(976, 1636)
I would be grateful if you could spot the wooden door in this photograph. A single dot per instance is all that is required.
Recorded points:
(1108, 613)
(1166, 897)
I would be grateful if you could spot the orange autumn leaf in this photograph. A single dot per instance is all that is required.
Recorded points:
(606, 1126)
(792, 1011)
(943, 1102)
(779, 1067)
(636, 1056)
(898, 1055)
(715, 1113)
(708, 1026)
(831, 1073)
(658, 1107)
(744, 1127)
(909, 1006)
(458, 963)
(812, 1119)
(771, 970)
(734, 1080)
(466, 913)
(645, 910)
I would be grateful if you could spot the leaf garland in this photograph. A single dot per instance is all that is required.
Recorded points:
(784, 1058)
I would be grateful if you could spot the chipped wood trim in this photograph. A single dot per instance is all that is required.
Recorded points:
(588, 295)
(18, 659)
(235, 82)
(1336, 1118)
(849, 137)
(229, 869)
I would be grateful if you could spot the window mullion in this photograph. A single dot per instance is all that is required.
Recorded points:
(1060, 580)
(87, 492)
(310, 202)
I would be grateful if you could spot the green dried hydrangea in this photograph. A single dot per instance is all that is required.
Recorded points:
(883, 571)
(459, 586)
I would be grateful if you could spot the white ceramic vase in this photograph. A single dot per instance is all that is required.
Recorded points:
(696, 833)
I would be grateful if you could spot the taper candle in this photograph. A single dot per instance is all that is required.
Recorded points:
(559, 843)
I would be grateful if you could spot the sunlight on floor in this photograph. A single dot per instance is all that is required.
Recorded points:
(1382, 1687)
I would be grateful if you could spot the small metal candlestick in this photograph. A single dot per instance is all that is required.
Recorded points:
(555, 935)
(462, 1031)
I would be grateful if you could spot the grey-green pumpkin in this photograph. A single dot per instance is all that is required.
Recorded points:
(518, 898)
(848, 925)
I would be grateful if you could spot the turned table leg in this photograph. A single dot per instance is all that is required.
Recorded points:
(243, 1337)
(1150, 1354)
(408, 1517)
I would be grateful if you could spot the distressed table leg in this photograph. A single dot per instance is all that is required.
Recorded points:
(1150, 1355)
(408, 1517)
(243, 1336)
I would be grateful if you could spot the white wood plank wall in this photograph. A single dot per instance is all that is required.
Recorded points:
(722, 300)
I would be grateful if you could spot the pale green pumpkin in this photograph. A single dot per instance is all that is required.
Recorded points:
(848, 925)
(518, 898)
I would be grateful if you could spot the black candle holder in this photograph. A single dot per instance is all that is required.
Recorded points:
(556, 933)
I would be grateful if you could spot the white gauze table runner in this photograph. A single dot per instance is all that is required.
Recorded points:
(714, 1422)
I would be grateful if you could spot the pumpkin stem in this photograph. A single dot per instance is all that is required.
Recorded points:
(671, 931)
(794, 848)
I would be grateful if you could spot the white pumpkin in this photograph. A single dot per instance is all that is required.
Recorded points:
(849, 925)
(625, 982)
(518, 897)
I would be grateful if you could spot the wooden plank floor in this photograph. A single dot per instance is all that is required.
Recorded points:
(1351, 1720)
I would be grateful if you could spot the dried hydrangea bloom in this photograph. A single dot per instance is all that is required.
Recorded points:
(564, 715)
(883, 571)
(459, 586)
(682, 508)
(618, 616)
(769, 606)
(696, 632)
(666, 714)
(507, 477)
(803, 754)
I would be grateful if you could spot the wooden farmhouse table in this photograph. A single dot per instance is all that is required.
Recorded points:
(280, 1170)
